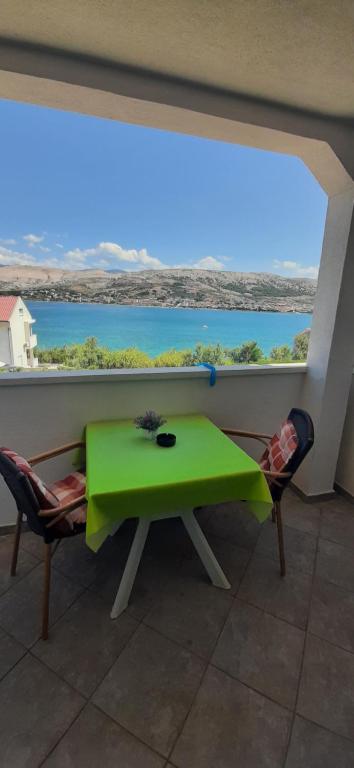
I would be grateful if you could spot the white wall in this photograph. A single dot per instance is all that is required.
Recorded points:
(345, 466)
(36, 417)
(5, 351)
(19, 334)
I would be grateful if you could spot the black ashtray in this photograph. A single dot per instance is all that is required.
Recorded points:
(166, 439)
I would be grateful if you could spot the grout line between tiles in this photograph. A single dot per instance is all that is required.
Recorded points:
(87, 699)
(329, 642)
(13, 666)
(302, 657)
(17, 580)
(269, 613)
(251, 687)
(324, 728)
(124, 728)
(62, 736)
(180, 730)
(208, 663)
(58, 675)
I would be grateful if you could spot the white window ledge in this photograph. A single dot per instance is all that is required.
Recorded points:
(142, 374)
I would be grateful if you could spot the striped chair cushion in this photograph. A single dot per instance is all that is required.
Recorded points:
(55, 495)
(68, 489)
(44, 495)
(280, 449)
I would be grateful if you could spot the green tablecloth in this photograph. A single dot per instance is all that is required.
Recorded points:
(130, 476)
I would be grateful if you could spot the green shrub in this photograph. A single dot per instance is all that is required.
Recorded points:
(206, 353)
(128, 358)
(249, 352)
(301, 345)
(172, 358)
(281, 354)
(91, 356)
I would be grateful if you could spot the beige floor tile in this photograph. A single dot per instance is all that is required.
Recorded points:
(262, 652)
(230, 725)
(150, 688)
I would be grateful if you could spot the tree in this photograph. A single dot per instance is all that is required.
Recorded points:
(249, 352)
(301, 345)
(55, 355)
(206, 353)
(172, 358)
(281, 354)
(129, 358)
(90, 355)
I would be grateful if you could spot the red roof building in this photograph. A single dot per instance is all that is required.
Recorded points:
(7, 306)
(17, 342)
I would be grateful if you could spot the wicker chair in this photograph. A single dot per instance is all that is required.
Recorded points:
(278, 480)
(53, 512)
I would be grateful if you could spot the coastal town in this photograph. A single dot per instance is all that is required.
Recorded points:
(192, 288)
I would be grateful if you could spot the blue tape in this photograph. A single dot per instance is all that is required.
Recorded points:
(212, 380)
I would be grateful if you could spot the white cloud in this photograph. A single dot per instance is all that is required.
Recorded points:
(32, 240)
(106, 255)
(8, 241)
(15, 258)
(297, 269)
(140, 259)
(51, 262)
(208, 262)
(308, 272)
(77, 255)
(103, 263)
(288, 264)
(131, 256)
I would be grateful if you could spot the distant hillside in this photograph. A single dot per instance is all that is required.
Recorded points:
(163, 288)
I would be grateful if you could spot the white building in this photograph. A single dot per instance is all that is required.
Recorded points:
(17, 341)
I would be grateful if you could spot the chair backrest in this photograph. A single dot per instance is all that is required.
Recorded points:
(303, 426)
(25, 498)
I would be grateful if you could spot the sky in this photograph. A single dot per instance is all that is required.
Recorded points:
(83, 192)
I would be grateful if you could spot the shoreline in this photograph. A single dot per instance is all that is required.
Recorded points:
(169, 306)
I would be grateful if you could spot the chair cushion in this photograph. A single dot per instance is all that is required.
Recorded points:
(280, 449)
(71, 487)
(44, 495)
(55, 495)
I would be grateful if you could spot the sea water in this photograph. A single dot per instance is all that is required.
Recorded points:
(155, 329)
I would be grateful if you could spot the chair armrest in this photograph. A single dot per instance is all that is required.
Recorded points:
(262, 438)
(59, 512)
(55, 452)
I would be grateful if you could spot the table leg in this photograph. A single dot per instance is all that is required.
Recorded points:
(116, 527)
(131, 567)
(205, 553)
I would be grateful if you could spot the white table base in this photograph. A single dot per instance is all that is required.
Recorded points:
(211, 565)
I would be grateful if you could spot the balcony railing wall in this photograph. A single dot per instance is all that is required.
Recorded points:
(47, 413)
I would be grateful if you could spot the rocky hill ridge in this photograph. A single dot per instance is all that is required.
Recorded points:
(194, 288)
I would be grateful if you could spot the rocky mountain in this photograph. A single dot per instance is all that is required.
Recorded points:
(163, 288)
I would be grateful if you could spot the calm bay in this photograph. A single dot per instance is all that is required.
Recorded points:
(155, 329)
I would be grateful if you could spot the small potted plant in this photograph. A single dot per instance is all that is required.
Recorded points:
(150, 422)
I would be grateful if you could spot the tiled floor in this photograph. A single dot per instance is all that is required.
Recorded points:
(261, 676)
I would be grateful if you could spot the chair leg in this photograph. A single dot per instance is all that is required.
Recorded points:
(273, 513)
(16, 544)
(280, 537)
(46, 591)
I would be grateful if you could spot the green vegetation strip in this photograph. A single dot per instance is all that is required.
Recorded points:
(90, 355)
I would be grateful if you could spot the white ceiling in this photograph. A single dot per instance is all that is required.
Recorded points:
(296, 52)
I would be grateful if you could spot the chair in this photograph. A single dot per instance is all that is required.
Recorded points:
(53, 512)
(283, 455)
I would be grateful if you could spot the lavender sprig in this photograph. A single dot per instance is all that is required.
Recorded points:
(151, 421)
